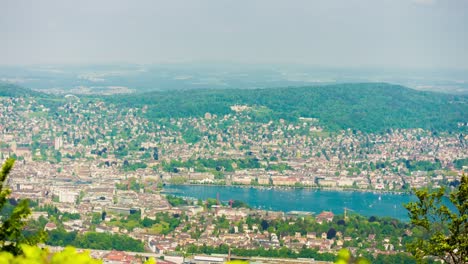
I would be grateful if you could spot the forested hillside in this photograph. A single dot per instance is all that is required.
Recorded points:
(13, 90)
(370, 107)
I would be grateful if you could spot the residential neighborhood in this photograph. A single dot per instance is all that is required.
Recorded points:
(90, 167)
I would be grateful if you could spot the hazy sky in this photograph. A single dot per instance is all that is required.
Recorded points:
(350, 33)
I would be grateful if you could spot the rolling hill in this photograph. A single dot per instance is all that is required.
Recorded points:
(369, 107)
(13, 90)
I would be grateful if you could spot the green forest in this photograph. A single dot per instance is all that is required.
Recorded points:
(12, 90)
(104, 241)
(369, 107)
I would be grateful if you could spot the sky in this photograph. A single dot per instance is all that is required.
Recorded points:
(337, 33)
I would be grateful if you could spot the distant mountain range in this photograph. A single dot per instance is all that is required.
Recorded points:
(100, 79)
(369, 107)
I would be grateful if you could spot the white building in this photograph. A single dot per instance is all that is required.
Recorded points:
(58, 143)
(67, 196)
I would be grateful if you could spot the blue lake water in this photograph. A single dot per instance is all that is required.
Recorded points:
(311, 200)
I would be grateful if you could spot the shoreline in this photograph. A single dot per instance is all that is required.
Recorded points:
(366, 211)
(263, 187)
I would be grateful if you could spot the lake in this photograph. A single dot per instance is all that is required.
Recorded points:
(311, 200)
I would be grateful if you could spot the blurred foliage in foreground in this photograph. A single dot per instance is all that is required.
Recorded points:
(36, 255)
(345, 257)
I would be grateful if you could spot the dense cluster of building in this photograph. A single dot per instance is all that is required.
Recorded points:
(89, 157)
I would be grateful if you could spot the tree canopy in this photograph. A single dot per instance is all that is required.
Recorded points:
(369, 107)
(13, 224)
(445, 230)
